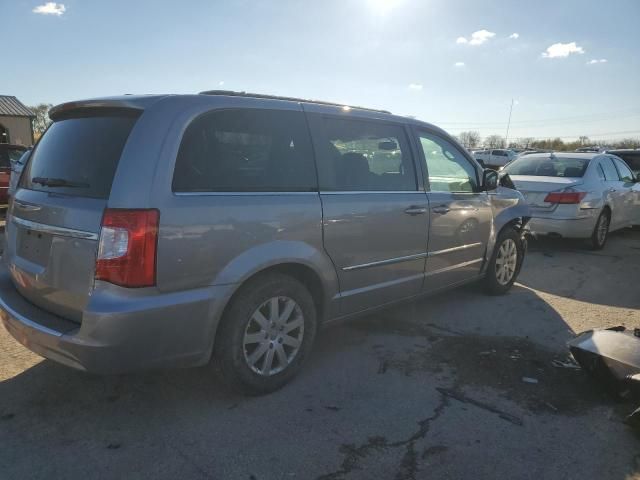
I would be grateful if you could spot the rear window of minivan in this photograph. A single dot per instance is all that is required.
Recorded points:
(79, 156)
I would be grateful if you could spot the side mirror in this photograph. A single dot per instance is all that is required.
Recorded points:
(489, 180)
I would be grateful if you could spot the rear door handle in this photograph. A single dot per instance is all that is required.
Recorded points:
(415, 210)
(442, 209)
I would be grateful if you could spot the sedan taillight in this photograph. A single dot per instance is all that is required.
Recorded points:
(127, 249)
(565, 197)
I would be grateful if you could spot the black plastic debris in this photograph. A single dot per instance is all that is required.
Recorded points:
(612, 357)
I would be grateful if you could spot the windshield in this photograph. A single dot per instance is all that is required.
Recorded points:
(78, 156)
(548, 167)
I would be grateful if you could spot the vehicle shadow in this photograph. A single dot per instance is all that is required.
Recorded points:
(608, 277)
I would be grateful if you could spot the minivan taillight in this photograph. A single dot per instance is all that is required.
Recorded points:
(565, 197)
(127, 249)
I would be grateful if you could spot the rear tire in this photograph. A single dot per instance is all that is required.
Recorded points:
(266, 334)
(505, 262)
(601, 231)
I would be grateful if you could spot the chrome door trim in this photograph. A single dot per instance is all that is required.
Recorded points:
(454, 249)
(453, 267)
(358, 192)
(389, 261)
(52, 230)
(239, 194)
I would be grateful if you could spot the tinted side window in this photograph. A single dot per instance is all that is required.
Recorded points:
(610, 172)
(248, 150)
(365, 156)
(448, 168)
(625, 173)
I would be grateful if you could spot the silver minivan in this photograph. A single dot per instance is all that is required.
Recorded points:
(170, 230)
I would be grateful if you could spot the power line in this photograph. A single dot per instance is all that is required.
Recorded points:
(574, 119)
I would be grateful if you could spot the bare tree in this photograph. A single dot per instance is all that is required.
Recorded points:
(627, 143)
(584, 140)
(41, 120)
(494, 141)
(470, 139)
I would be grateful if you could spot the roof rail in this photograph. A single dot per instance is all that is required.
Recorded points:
(231, 93)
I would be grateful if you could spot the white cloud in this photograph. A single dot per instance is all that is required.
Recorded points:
(595, 60)
(458, 64)
(50, 8)
(221, 83)
(562, 50)
(481, 36)
(461, 40)
(514, 35)
(415, 86)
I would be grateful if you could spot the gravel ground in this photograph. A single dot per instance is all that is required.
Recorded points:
(431, 389)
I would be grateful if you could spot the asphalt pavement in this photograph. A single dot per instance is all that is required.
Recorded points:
(458, 385)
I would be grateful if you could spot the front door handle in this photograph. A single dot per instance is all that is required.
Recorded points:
(415, 210)
(442, 209)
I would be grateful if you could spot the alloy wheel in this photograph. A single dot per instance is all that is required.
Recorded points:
(602, 229)
(273, 336)
(506, 261)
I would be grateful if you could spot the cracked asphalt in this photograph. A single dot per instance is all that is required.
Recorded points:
(432, 389)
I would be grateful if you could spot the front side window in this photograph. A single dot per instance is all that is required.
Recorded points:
(365, 156)
(632, 160)
(625, 174)
(448, 169)
(247, 150)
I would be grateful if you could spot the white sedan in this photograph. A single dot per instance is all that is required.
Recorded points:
(495, 158)
(577, 195)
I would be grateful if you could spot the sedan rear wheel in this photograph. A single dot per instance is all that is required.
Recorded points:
(504, 265)
(601, 231)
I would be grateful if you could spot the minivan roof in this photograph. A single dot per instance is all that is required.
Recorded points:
(142, 102)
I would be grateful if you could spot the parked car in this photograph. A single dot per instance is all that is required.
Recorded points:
(577, 195)
(495, 158)
(155, 231)
(630, 157)
(8, 153)
(16, 170)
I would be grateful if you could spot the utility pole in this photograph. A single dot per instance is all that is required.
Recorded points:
(506, 137)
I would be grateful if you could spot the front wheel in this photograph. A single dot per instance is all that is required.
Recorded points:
(505, 263)
(266, 334)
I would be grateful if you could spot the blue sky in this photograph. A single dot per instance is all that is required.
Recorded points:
(413, 57)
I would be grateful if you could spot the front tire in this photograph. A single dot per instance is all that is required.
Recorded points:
(265, 335)
(601, 231)
(505, 262)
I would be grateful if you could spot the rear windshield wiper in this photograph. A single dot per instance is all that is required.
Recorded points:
(58, 182)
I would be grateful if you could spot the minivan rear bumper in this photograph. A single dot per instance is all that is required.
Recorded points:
(119, 335)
